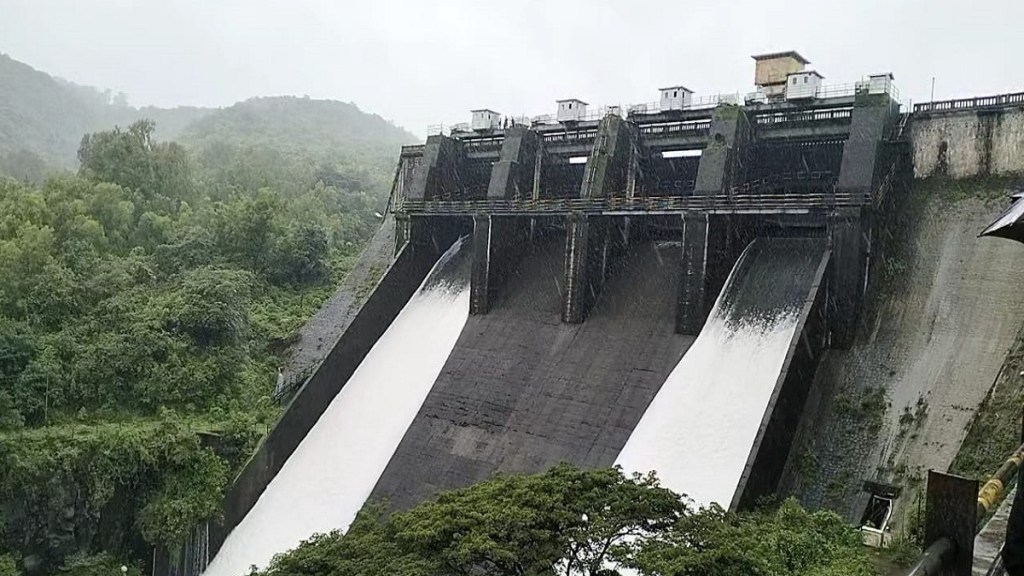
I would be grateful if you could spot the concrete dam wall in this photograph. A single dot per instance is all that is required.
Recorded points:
(589, 296)
(933, 338)
(523, 391)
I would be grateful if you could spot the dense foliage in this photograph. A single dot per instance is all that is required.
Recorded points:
(573, 522)
(144, 305)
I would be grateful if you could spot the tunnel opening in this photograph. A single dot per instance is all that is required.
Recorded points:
(475, 177)
(874, 521)
(671, 173)
(792, 166)
(562, 178)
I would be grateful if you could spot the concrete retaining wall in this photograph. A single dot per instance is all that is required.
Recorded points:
(783, 414)
(969, 143)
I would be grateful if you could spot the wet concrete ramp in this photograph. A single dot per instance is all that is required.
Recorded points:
(522, 391)
(723, 420)
(323, 482)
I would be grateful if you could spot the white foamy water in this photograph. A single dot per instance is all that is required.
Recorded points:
(698, 431)
(329, 476)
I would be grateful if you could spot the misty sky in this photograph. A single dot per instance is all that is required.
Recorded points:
(420, 62)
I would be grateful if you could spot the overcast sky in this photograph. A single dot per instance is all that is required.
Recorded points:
(420, 62)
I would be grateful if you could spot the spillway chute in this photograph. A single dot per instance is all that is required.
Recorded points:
(698, 431)
(325, 482)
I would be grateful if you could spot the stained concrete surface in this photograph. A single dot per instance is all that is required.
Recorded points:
(939, 334)
(522, 391)
(324, 328)
(976, 143)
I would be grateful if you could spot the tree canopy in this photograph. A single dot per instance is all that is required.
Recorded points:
(144, 302)
(572, 522)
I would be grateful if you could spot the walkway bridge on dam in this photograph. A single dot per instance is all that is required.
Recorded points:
(718, 176)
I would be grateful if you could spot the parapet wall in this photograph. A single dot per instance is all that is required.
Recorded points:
(968, 143)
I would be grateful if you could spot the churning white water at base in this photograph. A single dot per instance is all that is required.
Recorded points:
(329, 476)
(698, 431)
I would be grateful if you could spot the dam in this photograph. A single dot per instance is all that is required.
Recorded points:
(651, 286)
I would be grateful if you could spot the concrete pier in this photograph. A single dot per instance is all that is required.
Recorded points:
(514, 174)
(437, 175)
(589, 243)
(498, 242)
(720, 164)
(691, 305)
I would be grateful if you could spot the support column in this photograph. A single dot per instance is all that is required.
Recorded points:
(588, 241)
(437, 175)
(872, 115)
(498, 241)
(849, 260)
(849, 229)
(720, 166)
(586, 260)
(691, 305)
(403, 230)
(512, 176)
(607, 171)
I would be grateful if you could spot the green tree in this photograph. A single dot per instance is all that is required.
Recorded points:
(788, 541)
(212, 306)
(159, 174)
(301, 256)
(161, 277)
(579, 523)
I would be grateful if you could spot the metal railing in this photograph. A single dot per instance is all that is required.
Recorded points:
(569, 136)
(695, 127)
(941, 552)
(480, 145)
(292, 383)
(805, 116)
(701, 103)
(836, 90)
(743, 201)
(999, 101)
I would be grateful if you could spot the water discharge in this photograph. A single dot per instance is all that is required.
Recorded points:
(329, 476)
(699, 429)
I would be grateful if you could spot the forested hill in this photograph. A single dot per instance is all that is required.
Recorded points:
(299, 122)
(149, 289)
(289, 143)
(43, 119)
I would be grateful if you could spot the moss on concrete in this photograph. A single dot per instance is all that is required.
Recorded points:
(995, 431)
(994, 189)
